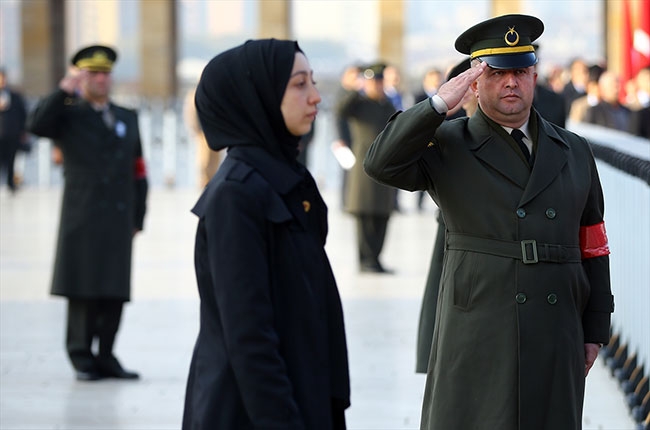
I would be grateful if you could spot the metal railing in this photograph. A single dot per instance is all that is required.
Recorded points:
(624, 169)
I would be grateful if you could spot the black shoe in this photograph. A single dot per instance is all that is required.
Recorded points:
(121, 374)
(88, 375)
(375, 268)
(111, 368)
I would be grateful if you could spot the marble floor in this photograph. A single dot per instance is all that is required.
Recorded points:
(37, 386)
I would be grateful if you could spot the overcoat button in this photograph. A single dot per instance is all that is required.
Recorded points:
(552, 299)
(550, 213)
(521, 213)
(520, 298)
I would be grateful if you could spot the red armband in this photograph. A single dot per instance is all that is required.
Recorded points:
(593, 241)
(139, 168)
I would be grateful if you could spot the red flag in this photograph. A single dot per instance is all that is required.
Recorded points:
(641, 38)
(626, 51)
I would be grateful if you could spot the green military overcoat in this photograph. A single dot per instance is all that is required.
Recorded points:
(365, 118)
(508, 343)
(103, 198)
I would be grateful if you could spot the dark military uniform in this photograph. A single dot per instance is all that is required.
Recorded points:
(523, 287)
(103, 206)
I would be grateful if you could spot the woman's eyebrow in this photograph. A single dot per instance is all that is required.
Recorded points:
(300, 72)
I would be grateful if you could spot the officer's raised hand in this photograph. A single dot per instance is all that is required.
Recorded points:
(453, 91)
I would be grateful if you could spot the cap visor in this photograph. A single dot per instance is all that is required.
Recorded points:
(513, 61)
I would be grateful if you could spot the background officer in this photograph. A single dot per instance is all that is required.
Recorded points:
(103, 206)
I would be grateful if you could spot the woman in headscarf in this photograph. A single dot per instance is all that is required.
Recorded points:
(271, 351)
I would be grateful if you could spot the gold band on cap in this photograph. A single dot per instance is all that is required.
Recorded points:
(504, 50)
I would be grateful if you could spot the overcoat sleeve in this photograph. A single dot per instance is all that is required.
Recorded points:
(395, 157)
(140, 182)
(238, 236)
(46, 119)
(596, 317)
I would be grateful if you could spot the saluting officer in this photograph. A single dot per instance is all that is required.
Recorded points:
(103, 206)
(525, 297)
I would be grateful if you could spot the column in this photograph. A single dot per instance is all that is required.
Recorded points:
(391, 32)
(43, 54)
(274, 19)
(505, 7)
(158, 48)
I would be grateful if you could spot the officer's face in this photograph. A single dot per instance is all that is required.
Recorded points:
(96, 85)
(506, 95)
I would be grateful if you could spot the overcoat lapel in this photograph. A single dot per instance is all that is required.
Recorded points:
(495, 151)
(550, 158)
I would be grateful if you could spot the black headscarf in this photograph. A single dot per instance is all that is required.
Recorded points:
(239, 95)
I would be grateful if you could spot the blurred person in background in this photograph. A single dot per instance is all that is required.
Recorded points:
(13, 115)
(640, 105)
(548, 103)
(394, 92)
(392, 87)
(351, 81)
(609, 112)
(431, 81)
(577, 85)
(580, 105)
(366, 113)
(271, 350)
(104, 204)
(555, 79)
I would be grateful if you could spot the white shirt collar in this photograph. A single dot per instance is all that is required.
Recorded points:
(523, 128)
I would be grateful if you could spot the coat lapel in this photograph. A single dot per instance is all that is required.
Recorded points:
(495, 151)
(550, 158)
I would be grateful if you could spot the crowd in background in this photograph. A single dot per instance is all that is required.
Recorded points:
(591, 93)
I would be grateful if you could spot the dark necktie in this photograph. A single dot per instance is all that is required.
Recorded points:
(108, 117)
(519, 135)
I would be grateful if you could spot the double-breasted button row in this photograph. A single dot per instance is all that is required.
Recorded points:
(550, 213)
(522, 297)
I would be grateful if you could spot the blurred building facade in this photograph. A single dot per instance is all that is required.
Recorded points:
(164, 44)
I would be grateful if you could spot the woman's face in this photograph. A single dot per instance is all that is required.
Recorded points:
(300, 98)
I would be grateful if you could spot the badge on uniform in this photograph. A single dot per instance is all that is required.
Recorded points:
(120, 129)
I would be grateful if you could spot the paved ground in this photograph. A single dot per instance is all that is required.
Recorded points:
(37, 387)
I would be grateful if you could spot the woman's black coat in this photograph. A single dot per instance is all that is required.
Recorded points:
(271, 352)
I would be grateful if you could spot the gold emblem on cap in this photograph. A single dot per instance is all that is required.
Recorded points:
(511, 31)
(306, 205)
(100, 56)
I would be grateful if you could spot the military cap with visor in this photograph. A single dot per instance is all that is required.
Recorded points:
(95, 58)
(374, 71)
(504, 42)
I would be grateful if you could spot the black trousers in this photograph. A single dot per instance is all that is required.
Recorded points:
(90, 319)
(371, 232)
(7, 157)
